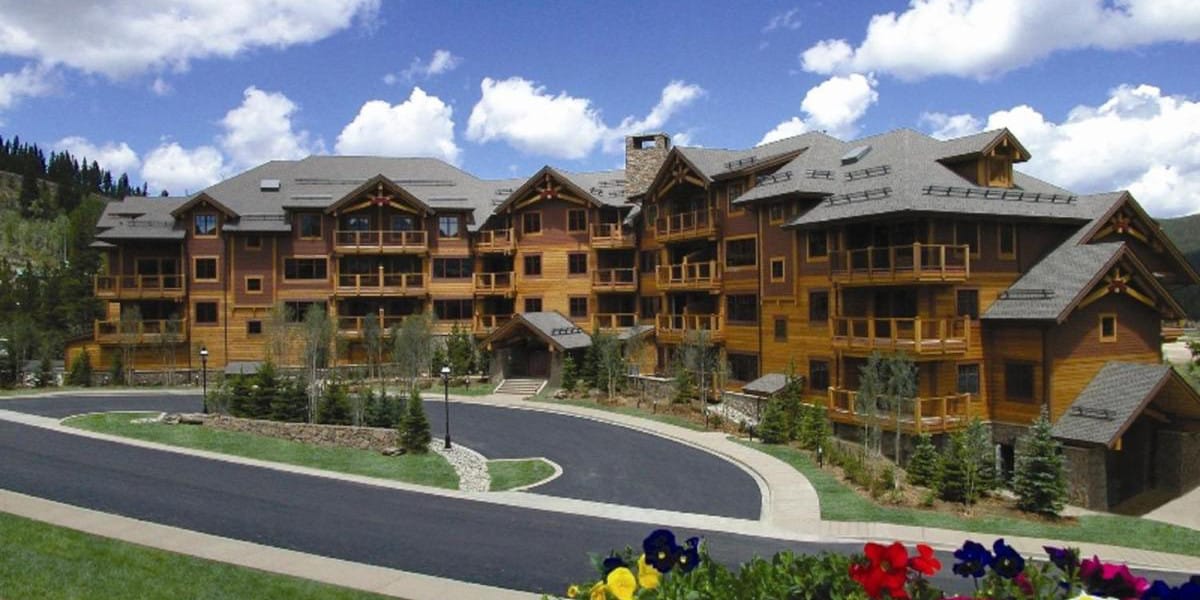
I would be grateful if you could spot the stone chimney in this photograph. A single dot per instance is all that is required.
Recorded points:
(644, 155)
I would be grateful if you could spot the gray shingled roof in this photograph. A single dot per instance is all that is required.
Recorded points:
(632, 332)
(1111, 400)
(244, 367)
(771, 383)
(1054, 284)
(555, 326)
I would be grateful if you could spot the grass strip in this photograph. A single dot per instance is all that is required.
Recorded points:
(509, 474)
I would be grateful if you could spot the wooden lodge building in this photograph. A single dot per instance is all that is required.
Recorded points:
(1011, 294)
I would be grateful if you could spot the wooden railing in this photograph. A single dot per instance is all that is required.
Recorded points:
(697, 223)
(356, 325)
(928, 414)
(614, 320)
(380, 241)
(111, 286)
(488, 323)
(915, 262)
(621, 279)
(610, 235)
(140, 332)
(380, 283)
(496, 240)
(688, 275)
(670, 325)
(494, 283)
(915, 335)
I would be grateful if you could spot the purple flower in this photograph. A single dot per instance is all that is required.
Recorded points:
(661, 550)
(1008, 562)
(973, 560)
(1066, 559)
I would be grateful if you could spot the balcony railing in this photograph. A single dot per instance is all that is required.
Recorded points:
(139, 286)
(494, 283)
(381, 284)
(354, 326)
(914, 335)
(154, 331)
(676, 327)
(614, 320)
(496, 240)
(615, 280)
(920, 415)
(380, 241)
(699, 223)
(698, 275)
(916, 262)
(610, 235)
(489, 323)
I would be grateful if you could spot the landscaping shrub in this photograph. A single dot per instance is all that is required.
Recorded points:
(234, 395)
(290, 403)
(815, 428)
(81, 370)
(570, 374)
(45, 374)
(960, 471)
(773, 428)
(335, 405)
(116, 370)
(983, 454)
(263, 391)
(924, 468)
(414, 428)
(1039, 479)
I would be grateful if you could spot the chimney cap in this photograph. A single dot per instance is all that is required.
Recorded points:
(649, 141)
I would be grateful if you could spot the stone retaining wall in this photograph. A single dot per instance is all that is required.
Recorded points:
(336, 436)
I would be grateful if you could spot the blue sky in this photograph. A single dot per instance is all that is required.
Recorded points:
(181, 93)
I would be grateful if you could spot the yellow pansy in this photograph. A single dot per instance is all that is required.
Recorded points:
(598, 592)
(648, 577)
(621, 583)
(573, 591)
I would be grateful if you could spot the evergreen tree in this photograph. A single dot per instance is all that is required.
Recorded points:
(460, 351)
(264, 391)
(589, 369)
(116, 371)
(374, 414)
(570, 374)
(28, 199)
(793, 407)
(979, 445)
(335, 405)
(774, 428)
(924, 467)
(1040, 479)
(239, 398)
(414, 429)
(290, 403)
(815, 428)
(81, 370)
(960, 471)
(45, 374)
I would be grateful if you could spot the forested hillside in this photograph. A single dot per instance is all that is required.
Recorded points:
(1185, 232)
(48, 213)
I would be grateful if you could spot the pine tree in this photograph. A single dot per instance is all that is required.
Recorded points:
(924, 468)
(774, 428)
(960, 471)
(116, 371)
(335, 406)
(414, 429)
(81, 370)
(45, 374)
(815, 428)
(979, 445)
(1039, 479)
(240, 401)
(570, 374)
(264, 392)
(290, 403)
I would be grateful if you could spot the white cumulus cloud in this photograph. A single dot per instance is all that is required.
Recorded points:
(423, 125)
(30, 81)
(260, 129)
(118, 158)
(442, 61)
(833, 106)
(943, 126)
(181, 171)
(985, 38)
(786, 20)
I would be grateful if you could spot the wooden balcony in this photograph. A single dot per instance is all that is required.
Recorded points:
(683, 226)
(893, 264)
(154, 331)
(675, 328)
(353, 327)
(703, 276)
(485, 324)
(139, 286)
(496, 240)
(614, 321)
(919, 336)
(380, 242)
(495, 284)
(608, 236)
(381, 284)
(937, 414)
(614, 280)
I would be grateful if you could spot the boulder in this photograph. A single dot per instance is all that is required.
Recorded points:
(392, 451)
(192, 419)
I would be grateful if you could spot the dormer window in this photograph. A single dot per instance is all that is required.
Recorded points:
(998, 171)
(205, 225)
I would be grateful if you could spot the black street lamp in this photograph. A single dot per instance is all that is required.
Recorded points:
(204, 376)
(446, 388)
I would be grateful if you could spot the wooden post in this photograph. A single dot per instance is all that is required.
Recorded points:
(918, 424)
(917, 260)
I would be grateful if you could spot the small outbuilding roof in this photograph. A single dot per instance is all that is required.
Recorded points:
(245, 367)
(552, 327)
(769, 384)
(1117, 395)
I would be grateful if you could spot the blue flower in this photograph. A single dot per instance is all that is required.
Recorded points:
(660, 549)
(973, 560)
(1008, 563)
(1161, 591)
(612, 563)
(687, 558)
(1066, 559)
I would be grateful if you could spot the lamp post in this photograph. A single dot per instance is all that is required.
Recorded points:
(446, 398)
(204, 376)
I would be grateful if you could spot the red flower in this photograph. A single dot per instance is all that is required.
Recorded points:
(925, 562)
(886, 570)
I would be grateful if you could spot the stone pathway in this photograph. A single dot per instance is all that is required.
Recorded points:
(470, 465)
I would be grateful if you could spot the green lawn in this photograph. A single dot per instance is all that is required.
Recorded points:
(45, 561)
(840, 503)
(509, 474)
(644, 413)
(430, 469)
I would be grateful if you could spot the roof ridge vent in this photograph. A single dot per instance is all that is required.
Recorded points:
(268, 185)
(855, 154)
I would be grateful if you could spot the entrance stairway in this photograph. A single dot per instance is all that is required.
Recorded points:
(520, 387)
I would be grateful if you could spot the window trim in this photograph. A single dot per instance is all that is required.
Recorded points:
(753, 238)
(978, 302)
(978, 377)
(541, 224)
(782, 261)
(248, 279)
(585, 271)
(525, 303)
(287, 279)
(1111, 338)
(775, 321)
(254, 333)
(525, 265)
(300, 226)
(582, 211)
(216, 278)
(821, 323)
(730, 197)
(458, 226)
(828, 375)
(216, 232)
(216, 313)
(587, 309)
(1000, 242)
(771, 218)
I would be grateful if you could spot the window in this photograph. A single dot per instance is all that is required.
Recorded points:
(448, 226)
(1007, 232)
(775, 213)
(576, 220)
(310, 225)
(818, 375)
(403, 223)
(453, 310)
(743, 367)
(531, 222)
(577, 263)
(740, 253)
(967, 234)
(533, 305)
(734, 190)
(777, 269)
(649, 260)
(254, 284)
(296, 311)
(968, 379)
(1018, 381)
(253, 327)
(781, 329)
(205, 225)
(147, 266)
(451, 268)
(649, 307)
(818, 309)
(253, 242)
(204, 269)
(1108, 328)
(533, 265)
(967, 302)
(818, 245)
(742, 308)
(358, 223)
(206, 313)
(305, 268)
(578, 306)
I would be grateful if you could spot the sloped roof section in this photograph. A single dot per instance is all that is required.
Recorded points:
(1048, 289)
(552, 327)
(1116, 396)
(771, 383)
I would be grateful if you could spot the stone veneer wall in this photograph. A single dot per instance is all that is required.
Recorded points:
(1178, 466)
(1087, 476)
(642, 164)
(339, 436)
